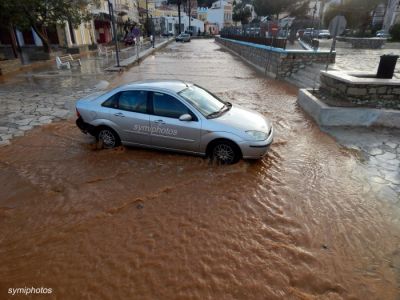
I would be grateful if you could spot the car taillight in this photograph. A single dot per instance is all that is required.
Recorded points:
(77, 113)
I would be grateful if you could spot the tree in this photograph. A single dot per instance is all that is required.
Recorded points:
(275, 7)
(39, 14)
(395, 32)
(358, 13)
(241, 13)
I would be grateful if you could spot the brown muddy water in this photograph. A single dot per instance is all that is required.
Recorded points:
(139, 224)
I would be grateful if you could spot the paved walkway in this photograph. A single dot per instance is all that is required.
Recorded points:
(46, 95)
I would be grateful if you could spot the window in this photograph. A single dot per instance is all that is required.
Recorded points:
(135, 101)
(205, 102)
(167, 106)
(111, 102)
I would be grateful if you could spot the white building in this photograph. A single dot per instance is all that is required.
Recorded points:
(392, 15)
(170, 25)
(220, 13)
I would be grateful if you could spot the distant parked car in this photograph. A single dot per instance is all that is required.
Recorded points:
(324, 34)
(300, 33)
(175, 115)
(189, 32)
(183, 37)
(383, 34)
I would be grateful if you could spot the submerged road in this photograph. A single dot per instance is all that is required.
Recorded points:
(305, 222)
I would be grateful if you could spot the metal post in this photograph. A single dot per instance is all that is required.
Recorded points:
(190, 13)
(110, 7)
(147, 18)
(333, 46)
(313, 16)
(179, 16)
(153, 31)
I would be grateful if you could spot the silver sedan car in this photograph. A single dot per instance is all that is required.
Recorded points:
(175, 115)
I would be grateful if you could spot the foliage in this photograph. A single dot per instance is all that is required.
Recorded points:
(274, 7)
(395, 32)
(241, 13)
(358, 13)
(39, 14)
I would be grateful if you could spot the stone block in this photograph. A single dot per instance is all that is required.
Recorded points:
(356, 91)
(382, 90)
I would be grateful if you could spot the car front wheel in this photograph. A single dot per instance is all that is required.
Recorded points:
(108, 137)
(225, 152)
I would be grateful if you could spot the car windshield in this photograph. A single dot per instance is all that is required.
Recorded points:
(206, 103)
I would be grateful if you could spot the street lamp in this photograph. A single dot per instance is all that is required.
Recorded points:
(111, 10)
(313, 16)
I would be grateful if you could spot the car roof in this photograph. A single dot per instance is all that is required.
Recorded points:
(169, 85)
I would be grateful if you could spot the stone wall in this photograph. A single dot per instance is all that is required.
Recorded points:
(275, 62)
(363, 92)
(364, 43)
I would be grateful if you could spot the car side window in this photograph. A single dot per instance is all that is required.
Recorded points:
(135, 101)
(111, 102)
(167, 106)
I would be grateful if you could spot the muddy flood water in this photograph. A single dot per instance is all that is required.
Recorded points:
(139, 224)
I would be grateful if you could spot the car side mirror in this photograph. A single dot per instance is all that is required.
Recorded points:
(185, 117)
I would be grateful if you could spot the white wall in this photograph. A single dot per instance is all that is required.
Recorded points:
(216, 15)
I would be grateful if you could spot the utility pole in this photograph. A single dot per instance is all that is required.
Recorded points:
(313, 16)
(111, 10)
(147, 18)
(179, 15)
(190, 13)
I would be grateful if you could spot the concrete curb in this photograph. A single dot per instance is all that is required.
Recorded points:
(126, 64)
(330, 116)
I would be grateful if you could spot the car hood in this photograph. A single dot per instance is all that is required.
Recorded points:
(243, 119)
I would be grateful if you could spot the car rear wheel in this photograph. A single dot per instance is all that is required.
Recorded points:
(108, 137)
(225, 152)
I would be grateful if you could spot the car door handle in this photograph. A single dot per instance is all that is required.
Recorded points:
(159, 122)
(119, 114)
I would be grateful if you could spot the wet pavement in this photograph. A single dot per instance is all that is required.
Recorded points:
(366, 60)
(47, 94)
(312, 220)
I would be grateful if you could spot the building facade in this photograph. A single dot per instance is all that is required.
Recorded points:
(392, 15)
(170, 25)
(220, 13)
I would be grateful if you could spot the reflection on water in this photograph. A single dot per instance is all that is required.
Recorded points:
(131, 223)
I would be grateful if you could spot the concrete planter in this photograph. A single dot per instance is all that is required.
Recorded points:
(328, 116)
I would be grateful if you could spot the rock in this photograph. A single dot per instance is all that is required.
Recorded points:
(24, 121)
(42, 118)
(386, 156)
(25, 128)
(391, 145)
(357, 91)
(5, 143)
(375, 151)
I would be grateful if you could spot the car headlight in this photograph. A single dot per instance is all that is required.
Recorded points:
(257, 135)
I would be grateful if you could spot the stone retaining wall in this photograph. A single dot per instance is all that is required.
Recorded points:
(363, 92)
(275, 62)
(364, 43)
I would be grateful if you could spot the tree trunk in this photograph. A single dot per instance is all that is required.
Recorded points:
(13, 41)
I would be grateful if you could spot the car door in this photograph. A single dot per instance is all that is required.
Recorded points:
(167, 131)
(131, 117)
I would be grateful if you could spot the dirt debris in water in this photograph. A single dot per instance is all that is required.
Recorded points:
(132, 223)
